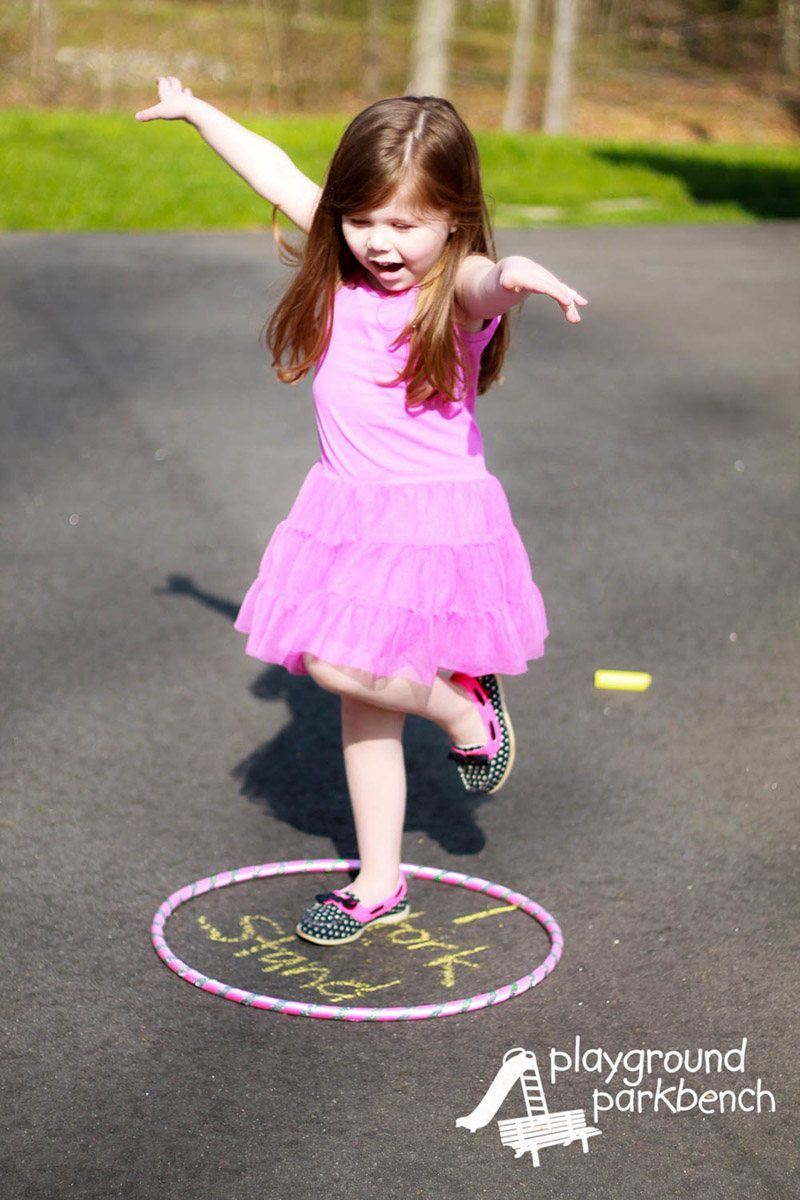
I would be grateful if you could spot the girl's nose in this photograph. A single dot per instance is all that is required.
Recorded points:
(377, 240)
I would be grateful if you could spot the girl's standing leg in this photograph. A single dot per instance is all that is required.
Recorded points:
(373, 714)
(376, 780)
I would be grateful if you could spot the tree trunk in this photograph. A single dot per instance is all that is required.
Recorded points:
(514, 112)
(434, 27)
(373, 51)
(790, 36)
(559, 84)
(43, 51)
(273, 42)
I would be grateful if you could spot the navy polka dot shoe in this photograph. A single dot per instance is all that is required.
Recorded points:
(486, 768)
(338, 917)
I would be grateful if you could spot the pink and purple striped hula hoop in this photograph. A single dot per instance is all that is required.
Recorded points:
(300, 1008)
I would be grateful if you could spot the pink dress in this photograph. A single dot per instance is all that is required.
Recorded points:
(399, 555)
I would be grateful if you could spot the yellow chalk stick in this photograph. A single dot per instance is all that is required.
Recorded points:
(628, 681)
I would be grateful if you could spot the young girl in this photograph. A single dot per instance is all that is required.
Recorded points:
(398, 580)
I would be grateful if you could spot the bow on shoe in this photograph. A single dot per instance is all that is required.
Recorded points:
(346, 901)
(468, 760)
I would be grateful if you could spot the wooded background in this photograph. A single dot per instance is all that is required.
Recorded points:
(671, 69)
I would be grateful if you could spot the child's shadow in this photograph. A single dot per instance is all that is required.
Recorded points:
(299, 776)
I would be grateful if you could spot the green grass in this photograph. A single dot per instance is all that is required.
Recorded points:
(75, 171)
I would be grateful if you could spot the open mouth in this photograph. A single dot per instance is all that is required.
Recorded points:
(389, 268)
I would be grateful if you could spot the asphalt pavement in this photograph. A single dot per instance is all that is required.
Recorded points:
(651, 459)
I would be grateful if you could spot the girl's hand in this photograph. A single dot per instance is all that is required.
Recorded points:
(524, 277)
(173, 102)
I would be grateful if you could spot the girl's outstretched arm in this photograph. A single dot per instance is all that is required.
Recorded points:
(485, 289)
(263, 165)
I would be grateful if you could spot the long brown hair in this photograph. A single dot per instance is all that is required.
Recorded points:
(419, 144)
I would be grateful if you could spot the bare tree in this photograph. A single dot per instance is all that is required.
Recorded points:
(373, 50)
(513, 112)
(43, 50)
(275, 56)
(789, 11)
(559, 84)
(432, 34)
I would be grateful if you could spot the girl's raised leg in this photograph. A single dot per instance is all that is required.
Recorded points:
(444, 702)
(471, 710)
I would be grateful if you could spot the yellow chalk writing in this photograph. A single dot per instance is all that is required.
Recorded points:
(407, 935)
(350, 989)
(247, 927)
(449, 962)
(265, 940)
(485, 912)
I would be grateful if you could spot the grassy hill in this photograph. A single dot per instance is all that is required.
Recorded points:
(64, 170)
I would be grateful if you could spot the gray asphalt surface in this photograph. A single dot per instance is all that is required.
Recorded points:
(650, 457)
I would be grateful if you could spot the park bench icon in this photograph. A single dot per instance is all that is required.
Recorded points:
(540, 1128)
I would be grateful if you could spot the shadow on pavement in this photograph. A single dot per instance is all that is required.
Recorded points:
(298, 776)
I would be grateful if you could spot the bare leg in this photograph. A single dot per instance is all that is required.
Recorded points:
(445, 703)
(373, 714)
(376, 780)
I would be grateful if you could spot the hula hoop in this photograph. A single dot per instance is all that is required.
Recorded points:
(340, 1012)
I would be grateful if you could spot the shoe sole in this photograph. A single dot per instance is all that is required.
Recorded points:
(387, 919)
(512, 741)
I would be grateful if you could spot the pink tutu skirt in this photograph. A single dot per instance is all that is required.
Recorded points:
(398, 579)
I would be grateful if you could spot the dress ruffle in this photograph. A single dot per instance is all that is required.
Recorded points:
(398, 579)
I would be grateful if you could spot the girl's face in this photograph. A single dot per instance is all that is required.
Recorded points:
(396, 244)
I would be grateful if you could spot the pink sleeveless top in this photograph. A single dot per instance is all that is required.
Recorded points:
(365, 430)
